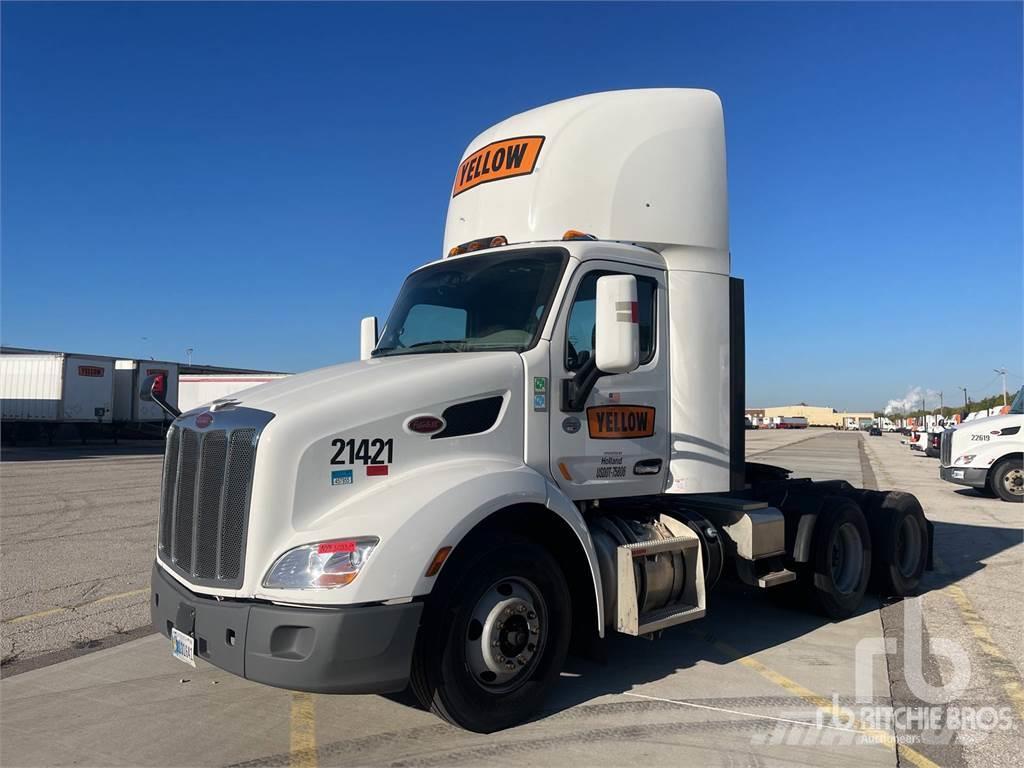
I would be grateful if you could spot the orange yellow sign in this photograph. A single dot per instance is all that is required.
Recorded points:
(503, 159)
(617, 422)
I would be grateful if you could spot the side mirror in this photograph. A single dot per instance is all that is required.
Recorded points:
(367, 337)
(617, 328)
(154, 389)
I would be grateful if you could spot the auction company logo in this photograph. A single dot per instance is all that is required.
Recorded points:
(935, 719)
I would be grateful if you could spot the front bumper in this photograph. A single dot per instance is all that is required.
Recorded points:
(358, 649)
(975, 477)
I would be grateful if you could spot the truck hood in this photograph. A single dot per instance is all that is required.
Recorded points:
(383, 384)
(339, 437)
(991, 423)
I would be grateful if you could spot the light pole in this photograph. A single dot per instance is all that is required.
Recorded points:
(964, 390)
(188, 355)
(1002, 372)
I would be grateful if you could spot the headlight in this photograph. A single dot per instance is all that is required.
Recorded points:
(323, 565)
(965, 459)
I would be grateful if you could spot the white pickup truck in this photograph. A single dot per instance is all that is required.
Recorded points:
(544, 444)
(987, 454)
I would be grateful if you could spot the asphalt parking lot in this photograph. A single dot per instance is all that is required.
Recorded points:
(752, 684)
(78, 527)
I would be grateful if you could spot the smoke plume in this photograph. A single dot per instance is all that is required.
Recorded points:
(912, 401)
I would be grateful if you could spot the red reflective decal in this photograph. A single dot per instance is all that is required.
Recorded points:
(376, 469)
(329, 547)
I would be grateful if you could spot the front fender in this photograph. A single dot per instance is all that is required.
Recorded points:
(418, 513)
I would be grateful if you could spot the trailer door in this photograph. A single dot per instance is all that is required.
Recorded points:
(88, 389)
(618, 444)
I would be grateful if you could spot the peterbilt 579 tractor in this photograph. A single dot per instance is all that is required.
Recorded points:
(543, 445)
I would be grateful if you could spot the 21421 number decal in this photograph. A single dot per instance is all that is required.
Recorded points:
(366, 451)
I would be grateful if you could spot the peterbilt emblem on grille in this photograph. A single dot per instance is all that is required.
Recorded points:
(203, 420)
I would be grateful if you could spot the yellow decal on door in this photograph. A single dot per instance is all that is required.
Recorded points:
(617, 422)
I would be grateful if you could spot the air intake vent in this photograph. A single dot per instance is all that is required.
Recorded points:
(470, 418)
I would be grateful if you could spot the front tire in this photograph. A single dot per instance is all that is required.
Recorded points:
(1008, 479)
(494, 636)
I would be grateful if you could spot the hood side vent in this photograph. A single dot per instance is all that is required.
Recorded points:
(470, 418)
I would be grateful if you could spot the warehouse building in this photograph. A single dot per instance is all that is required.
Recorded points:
(817, 415)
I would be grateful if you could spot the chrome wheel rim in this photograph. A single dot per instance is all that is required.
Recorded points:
(1013, 482)
(506, 634)
(847, 558)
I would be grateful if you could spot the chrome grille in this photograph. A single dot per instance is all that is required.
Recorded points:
(204, 502)
(946, 449)
(211, 488)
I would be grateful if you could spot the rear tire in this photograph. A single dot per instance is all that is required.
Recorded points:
(504, 604)
(1007, 479)
(840, 558)
(899, 540)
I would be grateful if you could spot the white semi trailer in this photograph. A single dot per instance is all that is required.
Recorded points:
(544, 445)
(41, 391)
(196, 389)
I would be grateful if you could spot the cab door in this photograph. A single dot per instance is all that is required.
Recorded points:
(618, 443)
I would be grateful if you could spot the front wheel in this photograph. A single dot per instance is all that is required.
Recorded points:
(494, 637)
(1008, 480)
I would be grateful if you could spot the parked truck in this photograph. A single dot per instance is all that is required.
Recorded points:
(791, 422)
(543, 445)
(40, 392)
(987, 453)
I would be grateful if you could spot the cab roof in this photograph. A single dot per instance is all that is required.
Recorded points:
(637, 166)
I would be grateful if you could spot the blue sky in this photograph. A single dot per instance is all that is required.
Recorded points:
(250, 180)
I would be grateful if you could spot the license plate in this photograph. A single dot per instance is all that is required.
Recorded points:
(183, 646)
(958, 474)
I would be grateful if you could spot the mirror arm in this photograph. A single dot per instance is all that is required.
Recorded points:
(148, 394)
(169, 409)
(576, 390)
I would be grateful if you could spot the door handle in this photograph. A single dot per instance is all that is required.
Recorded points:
(647, 467)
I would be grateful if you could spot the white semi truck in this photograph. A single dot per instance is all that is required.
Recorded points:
(987, 453)
(544, 444)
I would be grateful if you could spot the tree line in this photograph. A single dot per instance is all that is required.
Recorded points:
(992, 401)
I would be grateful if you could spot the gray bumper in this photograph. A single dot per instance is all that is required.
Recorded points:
(359, 649)
(972, 476)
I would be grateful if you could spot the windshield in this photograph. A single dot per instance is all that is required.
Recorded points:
(1018, 402)
(474, 303)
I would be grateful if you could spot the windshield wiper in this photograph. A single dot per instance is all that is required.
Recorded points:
(401, 348)
(450, 343)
